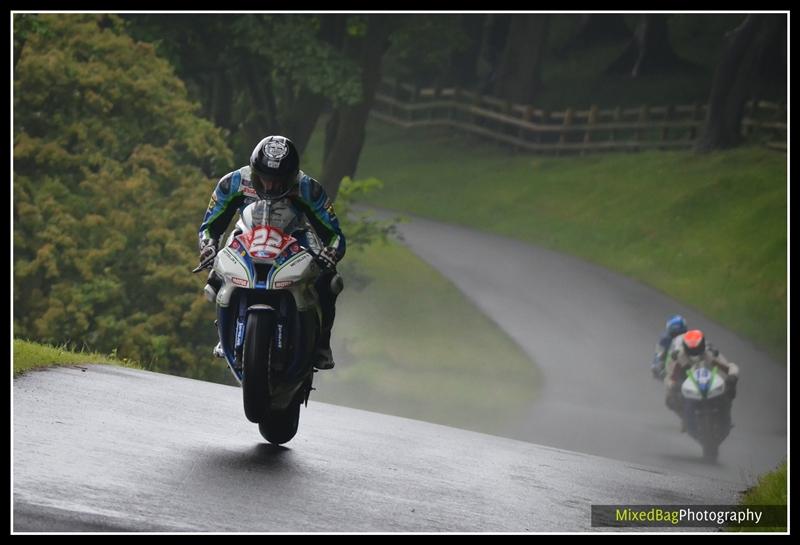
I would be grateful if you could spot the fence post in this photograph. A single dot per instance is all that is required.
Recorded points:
(437, 94)
(398, 89)
(415, 93)
(568, 115)
(456, 100)
(643, 114)
(587, 135)
(545, 121)
(507, 108)
(695, 117)
(617, 117)
(667, 118)
(477, 104)
(780, 117)
(527, 116)
(752, 114)
(780, 113)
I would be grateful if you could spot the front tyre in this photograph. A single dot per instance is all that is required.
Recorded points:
(255, 365)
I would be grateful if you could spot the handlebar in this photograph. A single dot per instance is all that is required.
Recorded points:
(202, 266)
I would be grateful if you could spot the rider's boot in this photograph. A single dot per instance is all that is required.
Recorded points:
(323, 357)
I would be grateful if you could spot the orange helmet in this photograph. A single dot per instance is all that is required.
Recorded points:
(694, 342)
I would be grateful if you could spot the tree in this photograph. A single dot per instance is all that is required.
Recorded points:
(493, 40)
(519, 72)
(258, 74)
(594, 28)
(649, 51)
(112, 170)
(346, 128)
(735, 76)
(425, 50)
(305, 109)
(463, 62)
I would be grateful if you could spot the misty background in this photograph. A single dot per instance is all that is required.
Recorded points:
(612, 137)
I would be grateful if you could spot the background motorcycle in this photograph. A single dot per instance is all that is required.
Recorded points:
(706, 408)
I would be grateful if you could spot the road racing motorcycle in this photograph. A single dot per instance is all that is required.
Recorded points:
(706, 407)
(268, 312)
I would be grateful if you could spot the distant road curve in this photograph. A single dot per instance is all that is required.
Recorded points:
(592, 332)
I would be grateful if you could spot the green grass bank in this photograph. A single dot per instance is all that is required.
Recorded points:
(408, 343)
(31, 355)
(707, 230)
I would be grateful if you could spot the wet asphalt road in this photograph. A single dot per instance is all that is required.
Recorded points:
(592, 332)
(110, 449)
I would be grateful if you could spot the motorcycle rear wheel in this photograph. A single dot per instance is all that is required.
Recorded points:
(710, 451)
(280, 427)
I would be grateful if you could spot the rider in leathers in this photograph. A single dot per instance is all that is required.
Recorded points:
(273, 174)
(687, 350)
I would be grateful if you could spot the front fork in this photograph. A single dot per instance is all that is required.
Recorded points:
(233, 359)
(241, 320)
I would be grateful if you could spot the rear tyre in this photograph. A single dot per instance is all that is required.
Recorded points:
(279, 427)
(710, 451)
(255, 365)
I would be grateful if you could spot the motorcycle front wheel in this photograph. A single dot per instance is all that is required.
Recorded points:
(255, 365)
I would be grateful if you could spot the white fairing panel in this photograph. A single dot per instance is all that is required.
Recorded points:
(234, 273)
(298, 275)
(702, 376)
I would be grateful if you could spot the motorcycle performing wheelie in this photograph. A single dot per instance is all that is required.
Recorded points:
(268, 312)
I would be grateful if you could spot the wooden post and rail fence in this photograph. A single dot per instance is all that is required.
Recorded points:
(597, 129)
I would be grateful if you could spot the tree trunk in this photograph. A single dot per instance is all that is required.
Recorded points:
(493, 40)
(464, 64)
(594, 28)
(306, 108)
(222, 100)
(347, 130)
(649, 51)
(263, 120)
(519, 73)
(733, 83)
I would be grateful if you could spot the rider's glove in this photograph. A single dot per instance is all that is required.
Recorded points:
(208, 250)
(658, 372)
(730, 384)
(328, 257)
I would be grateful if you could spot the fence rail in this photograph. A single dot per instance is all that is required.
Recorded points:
(526, 127)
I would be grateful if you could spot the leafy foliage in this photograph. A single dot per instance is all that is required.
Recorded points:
(360, 228)
(422, 48)
(290, 45)
(251, 72)
(112, 171)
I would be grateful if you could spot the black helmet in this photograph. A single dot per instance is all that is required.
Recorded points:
(274, 164)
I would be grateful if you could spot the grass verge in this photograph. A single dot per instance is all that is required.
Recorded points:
(31, 355)
(408, 343)
(708, 230)
(770, 490)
